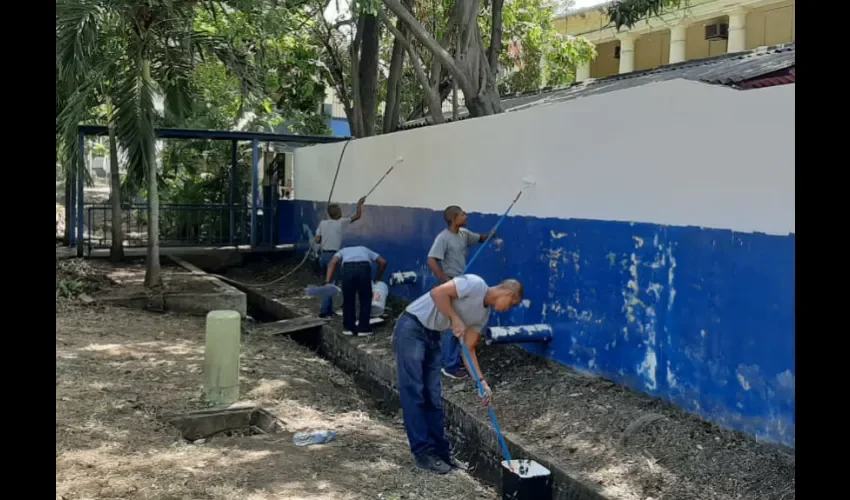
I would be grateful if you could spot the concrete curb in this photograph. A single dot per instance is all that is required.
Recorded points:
(227, 297)
(472, 435)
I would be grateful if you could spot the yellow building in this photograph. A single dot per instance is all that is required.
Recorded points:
(704, 28)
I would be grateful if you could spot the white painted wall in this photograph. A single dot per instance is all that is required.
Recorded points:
(676, 152)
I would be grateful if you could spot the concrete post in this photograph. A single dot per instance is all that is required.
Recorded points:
(221, 357)
(582, 72)
(627, 53)
(737, 41)
(678, 43)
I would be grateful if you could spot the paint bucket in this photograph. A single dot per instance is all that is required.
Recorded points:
(379, 298)
(527, 481)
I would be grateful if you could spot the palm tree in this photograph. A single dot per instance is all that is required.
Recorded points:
(134, 51)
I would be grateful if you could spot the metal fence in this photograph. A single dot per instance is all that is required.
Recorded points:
(179, 225)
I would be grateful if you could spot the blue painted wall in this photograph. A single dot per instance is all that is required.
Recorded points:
(703, 318)
(340, 127)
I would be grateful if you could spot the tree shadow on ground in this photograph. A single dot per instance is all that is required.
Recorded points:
(119, 371)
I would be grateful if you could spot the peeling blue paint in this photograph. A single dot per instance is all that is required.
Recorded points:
(703, 318)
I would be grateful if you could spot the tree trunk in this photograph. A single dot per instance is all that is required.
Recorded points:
(116, 253)
(392, 108)
(368, 73)
(153, 273)
(357, 106)
(496, 37)
(470, 68)
(434, 108)
(445, 88)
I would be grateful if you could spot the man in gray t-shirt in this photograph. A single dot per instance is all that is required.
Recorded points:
(463, 306)
(447, 259)
(329, 235)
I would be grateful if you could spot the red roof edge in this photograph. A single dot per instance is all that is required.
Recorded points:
(782, 77)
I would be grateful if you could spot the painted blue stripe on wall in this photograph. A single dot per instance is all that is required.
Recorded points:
(703, 318)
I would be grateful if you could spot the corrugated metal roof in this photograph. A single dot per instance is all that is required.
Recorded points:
(728, 69)
(783, 77)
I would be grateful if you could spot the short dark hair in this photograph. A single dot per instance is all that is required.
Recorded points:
(334, 211)
(514, 286)
(451, 212)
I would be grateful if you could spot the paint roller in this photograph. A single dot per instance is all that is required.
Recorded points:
(524, 334)
(403, 278)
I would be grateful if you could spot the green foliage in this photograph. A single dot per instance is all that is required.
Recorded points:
(291, 92)
(628, 12)
(534, 55)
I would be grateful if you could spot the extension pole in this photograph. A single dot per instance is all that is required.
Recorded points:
(465, 349)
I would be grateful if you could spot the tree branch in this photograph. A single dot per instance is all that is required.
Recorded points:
(434, 107)
(432, 45)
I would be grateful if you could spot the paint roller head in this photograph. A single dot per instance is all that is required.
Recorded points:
(528, 181)
(399, 160)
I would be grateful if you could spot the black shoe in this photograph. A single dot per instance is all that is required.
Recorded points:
(431, 464)
(454, 463)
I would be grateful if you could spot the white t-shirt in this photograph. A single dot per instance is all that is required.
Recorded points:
(469, 305)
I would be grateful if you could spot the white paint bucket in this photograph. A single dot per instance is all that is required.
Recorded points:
(379, 298)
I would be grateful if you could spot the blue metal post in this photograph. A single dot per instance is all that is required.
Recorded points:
(255, 188)
(81, 182)
(234, 180)
(269, 206)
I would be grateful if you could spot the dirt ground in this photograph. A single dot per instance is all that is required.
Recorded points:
(131, 276)
(634, 446)
(118, 371)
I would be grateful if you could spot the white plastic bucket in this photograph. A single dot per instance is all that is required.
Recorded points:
(379, 298)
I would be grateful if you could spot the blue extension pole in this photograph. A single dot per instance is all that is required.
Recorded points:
(465, 349)
(496, 427)
(489, 236)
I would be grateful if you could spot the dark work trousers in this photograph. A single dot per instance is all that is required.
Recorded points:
(356, 282)
(417, 356)
(327, 302)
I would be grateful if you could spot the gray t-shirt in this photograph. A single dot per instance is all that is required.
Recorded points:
(331, 232)
(350, 255)
(450, 249)
(469, 305)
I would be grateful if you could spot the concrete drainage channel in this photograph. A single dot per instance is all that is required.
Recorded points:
(473, 437)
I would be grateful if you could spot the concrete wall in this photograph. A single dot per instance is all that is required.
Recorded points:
(663, 264)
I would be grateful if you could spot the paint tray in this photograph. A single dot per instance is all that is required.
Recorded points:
(328, 290)
(527, 481)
